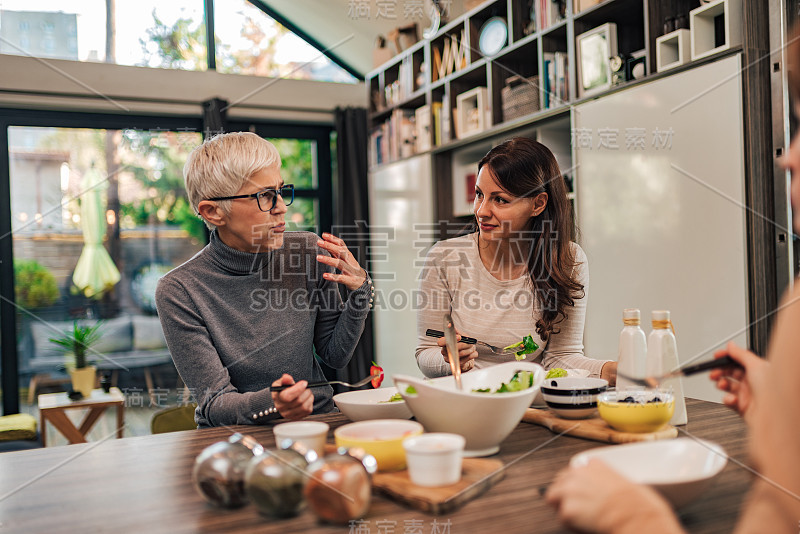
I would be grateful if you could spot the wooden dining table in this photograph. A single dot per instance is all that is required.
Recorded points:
(144, 484)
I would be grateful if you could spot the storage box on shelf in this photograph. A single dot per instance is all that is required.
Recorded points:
(715, 27)
(672, 50)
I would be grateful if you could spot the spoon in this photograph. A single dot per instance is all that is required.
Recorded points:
(654, 381)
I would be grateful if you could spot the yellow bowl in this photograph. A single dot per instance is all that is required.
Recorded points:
(382, 438)
(651, 409)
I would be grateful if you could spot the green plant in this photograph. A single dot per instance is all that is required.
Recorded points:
(34, 285)
(78, 340)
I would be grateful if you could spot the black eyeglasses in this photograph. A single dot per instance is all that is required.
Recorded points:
(267, 198)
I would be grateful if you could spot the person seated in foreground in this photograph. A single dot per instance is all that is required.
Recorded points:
(594, 498)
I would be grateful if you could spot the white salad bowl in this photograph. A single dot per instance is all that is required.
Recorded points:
(365, 404)
(680, 469)
(484, 419)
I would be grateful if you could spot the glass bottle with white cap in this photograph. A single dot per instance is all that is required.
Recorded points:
(632, 348)
(662, 358)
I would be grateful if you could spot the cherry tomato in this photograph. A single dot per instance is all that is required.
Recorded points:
(377, 375)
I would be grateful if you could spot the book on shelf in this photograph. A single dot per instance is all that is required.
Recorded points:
(436, 109)
(550, 12)
(445, 118)
(422, 118)
(555, 81)
(394, 139)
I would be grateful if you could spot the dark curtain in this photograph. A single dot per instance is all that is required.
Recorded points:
(351, 216)
(215, 117)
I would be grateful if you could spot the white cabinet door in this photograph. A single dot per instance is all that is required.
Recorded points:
(660, 192)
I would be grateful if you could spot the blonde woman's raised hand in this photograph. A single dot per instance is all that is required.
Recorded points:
(350, 272)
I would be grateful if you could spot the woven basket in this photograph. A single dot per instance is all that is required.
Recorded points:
(520, 97)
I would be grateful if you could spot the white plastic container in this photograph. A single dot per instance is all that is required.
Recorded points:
(662, 357)
(632, 359)
(312, 434)
(434, 459)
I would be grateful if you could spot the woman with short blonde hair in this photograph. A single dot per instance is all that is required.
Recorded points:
(258, 305)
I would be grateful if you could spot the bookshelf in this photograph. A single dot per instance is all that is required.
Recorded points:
(528, 87)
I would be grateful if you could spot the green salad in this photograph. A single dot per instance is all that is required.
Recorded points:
(521, 380)
(556, 372)
(398, 397)
(523, 348)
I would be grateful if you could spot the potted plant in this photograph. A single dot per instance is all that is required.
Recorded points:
(75, 343)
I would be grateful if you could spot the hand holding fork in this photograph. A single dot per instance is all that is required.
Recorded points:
(466, 349)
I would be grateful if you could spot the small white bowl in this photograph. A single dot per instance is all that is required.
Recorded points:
(365, 404)
(680, 469)
(572, 397)
(312, 434)
(434, 459)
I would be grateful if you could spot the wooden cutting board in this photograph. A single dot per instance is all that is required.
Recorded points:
(477, 475)
(594, 428)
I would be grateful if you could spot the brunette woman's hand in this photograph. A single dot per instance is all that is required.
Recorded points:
(466, 353)
(295, 402)
(609, 372)
(350, 272)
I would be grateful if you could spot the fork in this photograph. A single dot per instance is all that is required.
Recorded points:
(655, 381)
(470, 341)
(358, 384)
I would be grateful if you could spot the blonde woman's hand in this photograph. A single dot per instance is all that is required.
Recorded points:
(466, 353)
(350, 272)
(295, 402)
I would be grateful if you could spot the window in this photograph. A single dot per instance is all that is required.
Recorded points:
(146, 32)
(60, 179)
(158, 34)
(250, 42)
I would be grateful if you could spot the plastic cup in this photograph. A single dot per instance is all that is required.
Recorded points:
(434, 459)
(312, 434)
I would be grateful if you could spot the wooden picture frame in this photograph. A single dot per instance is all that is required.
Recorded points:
(472, 112)
(594, 49)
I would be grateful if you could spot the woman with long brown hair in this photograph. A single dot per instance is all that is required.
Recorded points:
(519, 273)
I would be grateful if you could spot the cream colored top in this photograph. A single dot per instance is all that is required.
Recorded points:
(499, 312)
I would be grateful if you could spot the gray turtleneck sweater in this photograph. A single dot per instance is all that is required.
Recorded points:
(235, 322)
